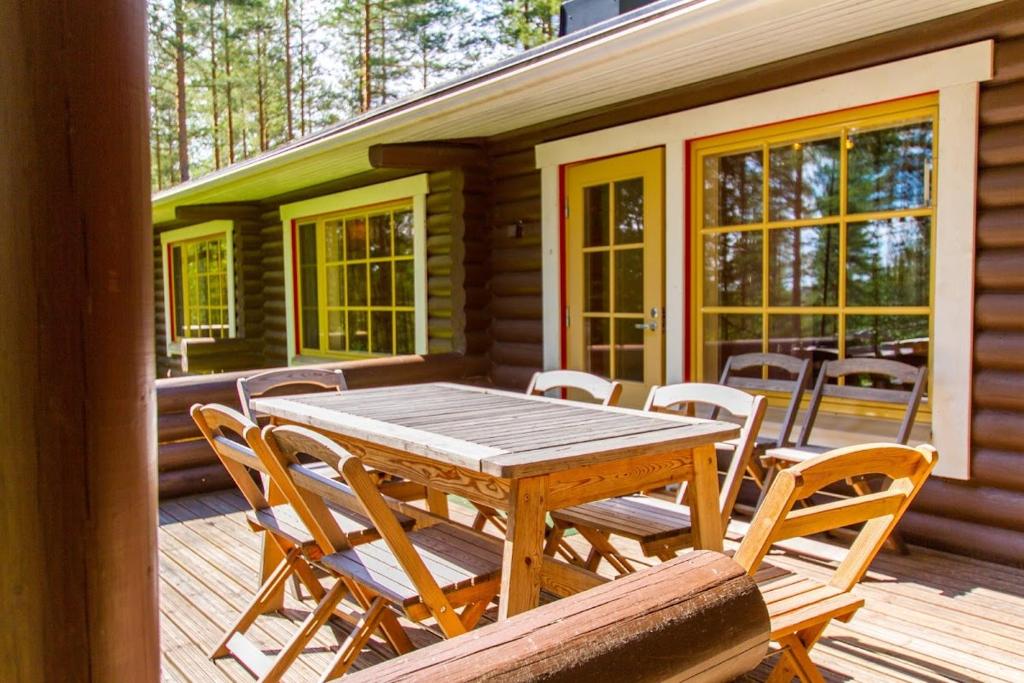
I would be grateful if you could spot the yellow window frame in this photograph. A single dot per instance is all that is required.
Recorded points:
(323, 309)
(764, 137)
(194, 280)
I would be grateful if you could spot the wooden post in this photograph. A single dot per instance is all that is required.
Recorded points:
(77, 470)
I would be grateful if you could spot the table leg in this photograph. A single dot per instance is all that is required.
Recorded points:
(437, 502)
(707, 522)
(524, 544)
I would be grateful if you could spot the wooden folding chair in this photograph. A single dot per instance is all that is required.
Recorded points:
(605, 391)
(661, 527)
(801, 608)
(427, 573)
(293, 379)
(237, 442)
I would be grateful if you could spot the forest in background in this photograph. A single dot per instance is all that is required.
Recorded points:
(232, 78)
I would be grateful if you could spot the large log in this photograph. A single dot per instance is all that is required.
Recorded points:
(698, 617)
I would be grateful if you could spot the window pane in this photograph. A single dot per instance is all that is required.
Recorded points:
(597, 341)
(357, 285)
(727, 335)
(803, 180)
(597, 281)
(382, 332)
(380, 235)
(405, 332)
(595, 216)
(405, 288)
(805, 336)
(629, 281)
(335, 276)
(358, 334)
(733, 189)
(629, 211)
(732, 269)
(333, 240)
(888, 263)
(897, 337)
(336, 330)
(380, 284)
(310, 328)
(629, 349)
(803, 269)
(889, 168)
(403, 233)
(355, 238)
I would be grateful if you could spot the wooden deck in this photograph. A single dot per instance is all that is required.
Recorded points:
(930, 616)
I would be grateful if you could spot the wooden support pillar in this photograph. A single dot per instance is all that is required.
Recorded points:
(78, 570)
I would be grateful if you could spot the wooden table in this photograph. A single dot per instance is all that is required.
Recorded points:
(522, 454)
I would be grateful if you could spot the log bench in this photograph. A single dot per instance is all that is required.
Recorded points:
(697, 617)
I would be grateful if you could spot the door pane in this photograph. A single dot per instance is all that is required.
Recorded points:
(733, 189)
(595, 216)
(357, 285)
(336, 330)
(803, 267)
(629, 349)
(333, 240)
(727, 334)
(380, 235)
(629, 211)
(803, 179)
(355, 238)
(732, 269)
(805, 336)
(888, 263)
(597, 342)
(358, 334)
(404, 283)
(335, 276)
(382, 332)
(596, 279)
(403, 233)
(889, 168)
(380, 284)
(405, 332)
(629, 281)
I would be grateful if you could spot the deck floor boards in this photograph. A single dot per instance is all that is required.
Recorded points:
(930, 616)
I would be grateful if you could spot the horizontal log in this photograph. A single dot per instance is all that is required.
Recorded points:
(524, 210)
(439, 265)
(964, 538)
(1009, 60)
(477, 319)
(1001, 145)
(513, 377)
(999, 350)
(1001, 186)
(998, 429)
(439, 286)
(999, 389)
(175, 427)
(440, 223)
(1001, 269)
(517, 307)
(997, 311)
(522, 259)
(426, 155)
(631, 629)
(477, 297)
(440, 307)
(439, 202)
(478, 342)
(440, 345)
(440, 180)
(531, 331)
(182, 455)
(193, 480)
(1004, 469)
(505, 353)
(517, 283)
(1002, 104)
(511, 163)
(988, 505)
(516, 235)
(515, 188)
(1001, 228)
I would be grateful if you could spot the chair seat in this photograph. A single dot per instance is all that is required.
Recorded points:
(794, 454)
(796, 602)
(642, 518)
(285, 522)
(457, 559)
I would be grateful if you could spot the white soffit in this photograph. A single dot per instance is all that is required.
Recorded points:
(689, 44)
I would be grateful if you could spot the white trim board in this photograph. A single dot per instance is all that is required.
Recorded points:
(415, 188)
(953, 73)
(208, 229)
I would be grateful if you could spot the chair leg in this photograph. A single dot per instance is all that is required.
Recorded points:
(392, 631)
(353, 645)
(317, 618)
(605, 550)
(799, 660)
(473, 612)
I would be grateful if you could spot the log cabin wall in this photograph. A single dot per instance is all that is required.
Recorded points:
(983, 517)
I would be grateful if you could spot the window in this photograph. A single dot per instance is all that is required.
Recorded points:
(356, 281)
(814, 237)
(198, 281)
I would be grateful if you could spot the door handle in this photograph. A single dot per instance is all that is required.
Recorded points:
(652, 326)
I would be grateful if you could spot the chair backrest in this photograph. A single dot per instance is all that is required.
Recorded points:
(906, 468)
(893, 372)
(603, 390)
(310, 493)
(218, 423)
(798, 368)
(317, 379)
(738, 403)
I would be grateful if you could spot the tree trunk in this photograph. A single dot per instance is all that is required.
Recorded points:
(227, 84)
(179, 69)
(302, 70)
(159, 161)
(383, 59)
(364, 103)
(288, 69)
(261, 107)
(213, 87)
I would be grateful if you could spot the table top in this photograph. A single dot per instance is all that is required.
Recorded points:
(501, 433)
